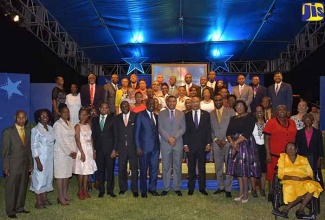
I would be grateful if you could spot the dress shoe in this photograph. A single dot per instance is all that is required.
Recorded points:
(164, 193)
(228, 194)
(204, 192)
(101, 195)
(12, 216)
(190, 192)
(254, 193)
(282, 213)
(24, 211)
(239, 198)
(218, 191)
(144, 195)
(302, 215)
(154, 193)
(135, 194)
(179, 193)
(121, 192)
(262, 192)
(112, 195)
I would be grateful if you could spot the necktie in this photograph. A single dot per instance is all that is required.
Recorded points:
(102, 122)
(125, 120)
(22, 135)
(196, 120)
(172, 90)
(276, 89)
(219, 116)
(172, 117)
(91, 97)
(152, 119)
(255, 91)
(240, 89)
(188, 90)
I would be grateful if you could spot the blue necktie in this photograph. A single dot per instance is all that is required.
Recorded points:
(172, 117)
(196, 120)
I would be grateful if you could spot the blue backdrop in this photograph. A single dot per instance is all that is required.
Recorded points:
(14, 95)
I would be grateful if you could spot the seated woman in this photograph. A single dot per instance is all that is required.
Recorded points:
(297, 179)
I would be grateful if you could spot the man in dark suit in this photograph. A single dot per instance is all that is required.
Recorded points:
(280, 93)
(103, 138)
(243, 91)
(91, 95)
(203, 83)
(133, 82)
(219, 123)
(189, 84)
(212, 82)
(147, 146)
(17, 163)
(258, 93)
(110, 93)
(124, 145)
(196, 140)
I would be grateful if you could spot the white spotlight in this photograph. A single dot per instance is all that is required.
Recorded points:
(16, 18)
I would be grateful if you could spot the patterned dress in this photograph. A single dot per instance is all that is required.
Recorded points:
(89, 166)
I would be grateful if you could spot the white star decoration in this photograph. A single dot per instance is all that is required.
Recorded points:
(219, 62)
(135, 63)
(11, 88)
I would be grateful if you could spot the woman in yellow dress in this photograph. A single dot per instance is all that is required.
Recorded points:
(297, 179)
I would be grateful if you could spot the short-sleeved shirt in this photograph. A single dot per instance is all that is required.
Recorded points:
(280, 135)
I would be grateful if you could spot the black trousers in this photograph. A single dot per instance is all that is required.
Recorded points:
(127, 154)
(105, 166)
(196, 156)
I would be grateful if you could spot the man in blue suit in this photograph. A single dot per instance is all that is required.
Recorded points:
(258, 93)
(280, 93)
(147, 145)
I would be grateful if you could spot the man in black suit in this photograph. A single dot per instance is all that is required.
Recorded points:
(133, 82)
(197, 139)
(91, 95)
(189, 84)
(110, 93)
(103, 138)
(203, 83)
(147, 146)
(280, 93)
(124, 145)
(258, 93)
(17, 163)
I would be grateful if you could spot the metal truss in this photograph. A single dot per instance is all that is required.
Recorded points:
(308, 40)
(120, 69)
(44, 26)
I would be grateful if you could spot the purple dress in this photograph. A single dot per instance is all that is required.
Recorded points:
(245, 163)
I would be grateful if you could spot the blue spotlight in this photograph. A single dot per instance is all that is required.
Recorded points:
(215, 52)
(137, 38)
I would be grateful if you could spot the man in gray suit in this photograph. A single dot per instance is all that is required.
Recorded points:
(173, 89)
(219, 123)
(171, 127)
(243, 92)
(17, 163)
(110, 93)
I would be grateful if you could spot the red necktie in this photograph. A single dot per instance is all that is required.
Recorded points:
(91, 94)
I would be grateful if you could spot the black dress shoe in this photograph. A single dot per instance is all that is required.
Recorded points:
(218, 191)
(179, 193)
(254, 193)
(144, 195)
(190, 192)
(282, 214)
(154, 193)
(12, 216)
(302, 215)
(101, 195)
(112, 195)
(121, 192)
(135, 194)
(204, 192)
(228, 195)
(164, 193)
(24, 211)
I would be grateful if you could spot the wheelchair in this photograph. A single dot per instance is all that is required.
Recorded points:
(277, 200)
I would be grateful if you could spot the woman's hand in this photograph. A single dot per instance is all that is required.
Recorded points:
(268, 158)
(39, 166)
(83, 157)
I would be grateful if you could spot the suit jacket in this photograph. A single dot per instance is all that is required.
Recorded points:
(218, 130)
(175, 92)
(103, 140)
(16, 156)
(257, 99)
(146, 132)
(284, 96)
(246, 94)
(137, 86)
(197, 139)
(109, 96)
(166, 130)
(201, 94)
(124, 135)
(197, 89)
(315, 146)
(85, 97)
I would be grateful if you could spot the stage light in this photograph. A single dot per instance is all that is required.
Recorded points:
(137, 38)
(215, 52)
(16, 18)
(215, 36)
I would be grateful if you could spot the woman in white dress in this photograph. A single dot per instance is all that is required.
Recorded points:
(207, 103)
(42, 143)
(181, 98)
(85, 160)
(73, 102)
(65, 151)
